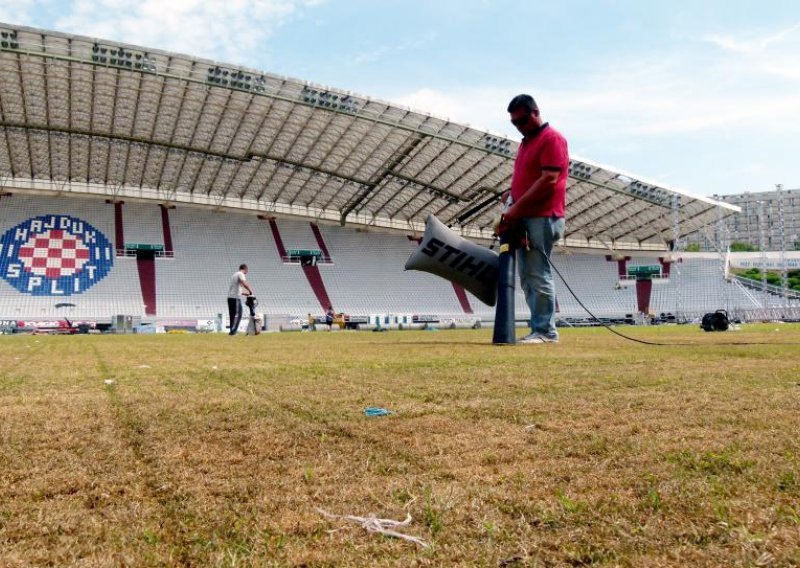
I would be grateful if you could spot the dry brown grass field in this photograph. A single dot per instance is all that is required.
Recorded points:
(217, 451)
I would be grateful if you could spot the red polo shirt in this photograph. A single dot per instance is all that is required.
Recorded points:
(545, 150)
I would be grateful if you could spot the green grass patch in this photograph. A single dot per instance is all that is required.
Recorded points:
(217, 451)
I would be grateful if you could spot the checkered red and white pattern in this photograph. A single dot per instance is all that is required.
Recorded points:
(54, 253)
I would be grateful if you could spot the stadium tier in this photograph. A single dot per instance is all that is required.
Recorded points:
(93, 259)
(133, 181)
(87, 116)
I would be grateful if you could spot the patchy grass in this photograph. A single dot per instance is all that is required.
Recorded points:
(216, 451)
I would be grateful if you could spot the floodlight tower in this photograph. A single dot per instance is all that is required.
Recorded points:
(782, 230)
(774, 301)
(762, 244)
(675, 206)
(723, 248)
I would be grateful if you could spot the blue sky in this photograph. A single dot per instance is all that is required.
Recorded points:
(704, 96)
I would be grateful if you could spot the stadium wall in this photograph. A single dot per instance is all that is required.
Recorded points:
(66, 257)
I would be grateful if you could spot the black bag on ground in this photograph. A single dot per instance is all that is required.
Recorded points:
(715, 321)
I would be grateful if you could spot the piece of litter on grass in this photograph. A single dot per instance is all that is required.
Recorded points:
(512, 561)
(214, 368)
(377, 411)
(381, 526)
(144, 366)
(109, 381)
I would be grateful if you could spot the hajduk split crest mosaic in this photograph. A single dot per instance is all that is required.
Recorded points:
(54, 255)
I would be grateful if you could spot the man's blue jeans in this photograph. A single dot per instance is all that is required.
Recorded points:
(235, 314)
(535, 274)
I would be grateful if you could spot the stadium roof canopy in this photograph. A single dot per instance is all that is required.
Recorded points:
(86, 116)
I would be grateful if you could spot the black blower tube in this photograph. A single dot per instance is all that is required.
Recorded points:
(504, 328)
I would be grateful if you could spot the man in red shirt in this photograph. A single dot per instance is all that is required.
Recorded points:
(538, 199)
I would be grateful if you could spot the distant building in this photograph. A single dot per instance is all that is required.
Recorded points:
(759, 222)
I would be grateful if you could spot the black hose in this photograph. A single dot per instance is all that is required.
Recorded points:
(642, 341)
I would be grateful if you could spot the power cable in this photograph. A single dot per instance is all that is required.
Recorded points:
(634, 339)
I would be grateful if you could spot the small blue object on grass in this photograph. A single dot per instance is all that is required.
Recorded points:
(376, 411)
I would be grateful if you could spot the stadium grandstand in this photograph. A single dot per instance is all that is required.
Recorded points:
(134, 181)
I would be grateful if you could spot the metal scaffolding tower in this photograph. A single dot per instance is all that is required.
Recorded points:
(722, 244)
(762, 244)
(782, 232)
(675, 205)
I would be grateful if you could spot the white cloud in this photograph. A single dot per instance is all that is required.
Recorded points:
(773, 55)
(751, 44)
(646, 97)
(16, 11)
(754, 168)
(384, 51)
(228, 30)
(477, 106)
(630, 111)
(608, 114)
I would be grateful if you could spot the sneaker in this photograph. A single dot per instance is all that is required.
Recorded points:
(537, 338)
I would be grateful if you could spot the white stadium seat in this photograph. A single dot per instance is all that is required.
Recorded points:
(365, 274)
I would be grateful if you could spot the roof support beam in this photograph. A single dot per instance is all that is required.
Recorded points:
(372, 184)
(156, 115)
(275, 137)
(327, 156)
(300, 162)
(304, 159)
(686, 221)
(233, 138)
(174, 185)
(70, 87)
(25, 115)
(193, 137)
(167, 127)
(643, 223)
(474, 211)
(8, 141)
(619, 223)
(366, 158)
(249, 150)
